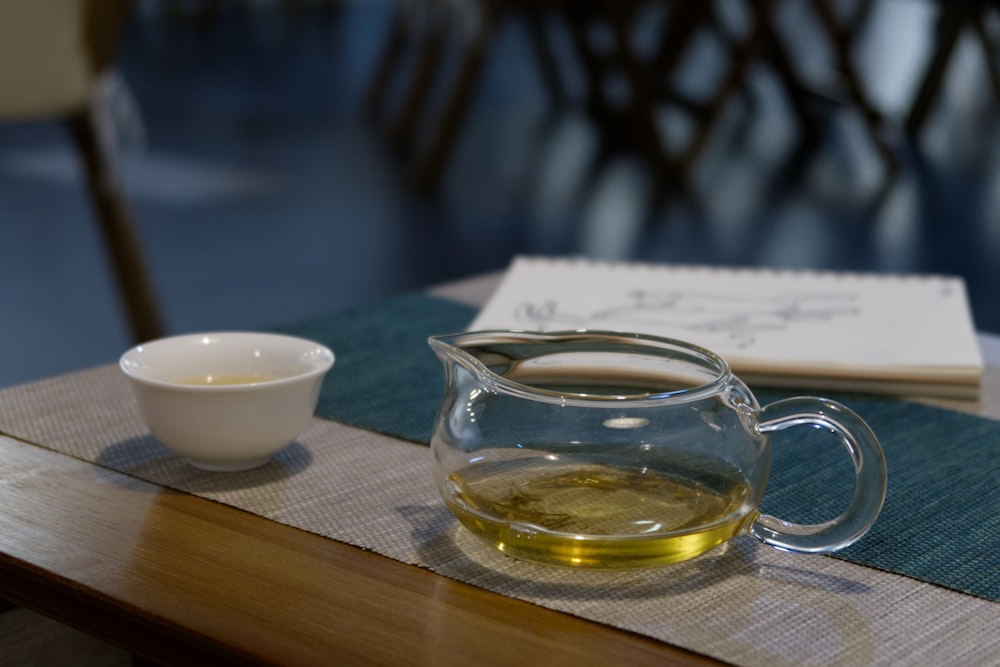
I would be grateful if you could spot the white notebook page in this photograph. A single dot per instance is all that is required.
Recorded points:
(801, 324)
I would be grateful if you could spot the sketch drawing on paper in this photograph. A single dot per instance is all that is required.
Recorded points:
(731, 320)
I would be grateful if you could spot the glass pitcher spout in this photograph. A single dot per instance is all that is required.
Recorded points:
(472, 351)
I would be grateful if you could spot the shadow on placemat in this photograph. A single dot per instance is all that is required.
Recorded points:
(939, 523)
(145, 458)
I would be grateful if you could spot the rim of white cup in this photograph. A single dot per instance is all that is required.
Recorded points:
(128, 362)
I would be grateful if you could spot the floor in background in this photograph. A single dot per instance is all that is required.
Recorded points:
(264, 194)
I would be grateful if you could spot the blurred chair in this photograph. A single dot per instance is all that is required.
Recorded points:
(952, 19)
(55, 57)
(842, 24)
(421, 33)
(422, 28)
(628, 89)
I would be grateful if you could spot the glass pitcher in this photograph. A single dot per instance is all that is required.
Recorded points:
(609, 450)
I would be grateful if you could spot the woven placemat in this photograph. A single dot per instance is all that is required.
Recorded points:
(745, 603)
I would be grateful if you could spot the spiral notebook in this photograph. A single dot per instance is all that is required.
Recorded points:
(896, 334)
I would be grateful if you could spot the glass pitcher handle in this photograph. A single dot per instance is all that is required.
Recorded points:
(869, 482)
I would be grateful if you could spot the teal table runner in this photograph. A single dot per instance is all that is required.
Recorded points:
(941, 520)
(385, 377)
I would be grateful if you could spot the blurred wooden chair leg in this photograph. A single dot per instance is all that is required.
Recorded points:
(842, 42)
(117, 229)
(742, 54)
(644, 82)
(577, 18)
(433, 36)
(781, 63)
(629, 123)
(989, 51)
(951, 18)
(430, 163)
(543, 54)
(403, 128)
(632, 123)
(389, 58)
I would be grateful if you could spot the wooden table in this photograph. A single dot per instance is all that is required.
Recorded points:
(177, 579)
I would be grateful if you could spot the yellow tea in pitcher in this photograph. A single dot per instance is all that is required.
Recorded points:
(590, 514)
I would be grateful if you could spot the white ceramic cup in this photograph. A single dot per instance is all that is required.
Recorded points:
(227, 400)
